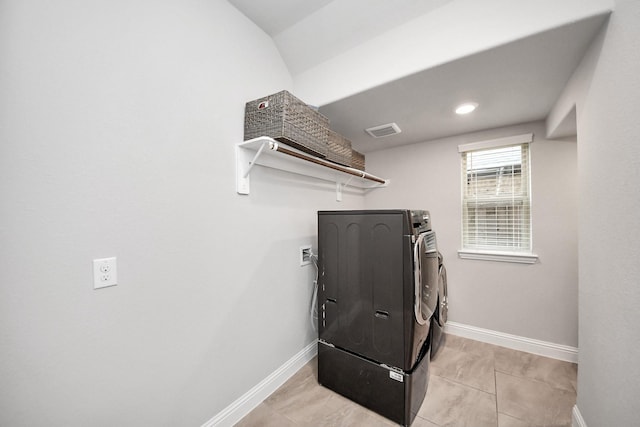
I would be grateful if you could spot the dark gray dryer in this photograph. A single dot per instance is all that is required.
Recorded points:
(377, 293)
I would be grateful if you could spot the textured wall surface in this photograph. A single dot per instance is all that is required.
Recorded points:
(609, 172)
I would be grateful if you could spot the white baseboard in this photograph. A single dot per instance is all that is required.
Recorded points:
(576, 418)
(247, 402)
(542, 348)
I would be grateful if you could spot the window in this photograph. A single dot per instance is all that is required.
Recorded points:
(496, 200)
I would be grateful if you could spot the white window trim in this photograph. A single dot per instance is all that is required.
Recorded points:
(519, 258)
(487, 255)
(496, 143)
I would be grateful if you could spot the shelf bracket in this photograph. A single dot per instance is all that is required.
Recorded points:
(244, 164)
(339, 187)
(252, 163)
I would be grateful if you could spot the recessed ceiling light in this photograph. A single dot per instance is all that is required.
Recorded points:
(466, 108)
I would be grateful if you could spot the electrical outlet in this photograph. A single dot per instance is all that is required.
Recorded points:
(305, 255)
(105, 272)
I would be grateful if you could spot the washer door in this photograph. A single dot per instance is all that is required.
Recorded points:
(425, 259)
(443, 306)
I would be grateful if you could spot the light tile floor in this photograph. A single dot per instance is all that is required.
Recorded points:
(472, 384)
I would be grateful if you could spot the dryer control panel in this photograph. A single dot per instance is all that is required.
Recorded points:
(420, 221)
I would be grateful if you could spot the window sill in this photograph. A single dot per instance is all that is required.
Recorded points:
(520, 258)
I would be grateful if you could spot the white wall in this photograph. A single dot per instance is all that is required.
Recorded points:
(535, 301)
(606, 87)
(117, 125)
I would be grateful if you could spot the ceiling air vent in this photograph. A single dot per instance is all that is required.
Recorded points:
(383, 130)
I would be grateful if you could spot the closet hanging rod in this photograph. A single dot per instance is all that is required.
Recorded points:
(351, 171)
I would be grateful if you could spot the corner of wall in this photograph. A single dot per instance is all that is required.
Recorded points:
(563, 114)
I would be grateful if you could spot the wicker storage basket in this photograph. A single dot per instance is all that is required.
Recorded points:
(287, 119)
(357, 160)
(339, 149)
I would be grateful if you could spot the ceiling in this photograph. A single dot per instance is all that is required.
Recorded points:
(275, 16)
(513, 83)
(310, 32)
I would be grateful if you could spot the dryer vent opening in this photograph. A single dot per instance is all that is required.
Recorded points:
(383, 130)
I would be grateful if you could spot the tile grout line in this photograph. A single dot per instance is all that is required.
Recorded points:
(294, 422)
(431, 421)
(519, 378)
(534, 380)
(464, 385)
(495, 383)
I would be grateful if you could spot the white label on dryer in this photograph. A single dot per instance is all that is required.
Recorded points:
(396, 376)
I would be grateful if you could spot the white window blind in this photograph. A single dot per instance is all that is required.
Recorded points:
(496, 202)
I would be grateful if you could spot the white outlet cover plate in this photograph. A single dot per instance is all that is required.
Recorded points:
(105, 272)
(302, 260)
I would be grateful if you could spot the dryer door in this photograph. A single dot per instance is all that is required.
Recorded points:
(425, 256)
